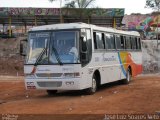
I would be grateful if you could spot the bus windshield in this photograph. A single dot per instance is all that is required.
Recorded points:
(64, 45)
(37, 42)
(61, 47)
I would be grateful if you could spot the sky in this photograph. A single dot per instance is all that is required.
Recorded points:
(131, 6)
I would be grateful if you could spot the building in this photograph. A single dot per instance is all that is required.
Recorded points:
(43, 16)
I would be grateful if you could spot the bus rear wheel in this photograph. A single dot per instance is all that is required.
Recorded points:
(92, 89)
(51, 92)
(128, 77)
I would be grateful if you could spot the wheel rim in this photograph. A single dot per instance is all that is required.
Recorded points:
(128, 76)
(94, 85)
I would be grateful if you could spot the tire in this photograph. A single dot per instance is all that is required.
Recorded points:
(93, 89)
(128, 77)
(51, 92)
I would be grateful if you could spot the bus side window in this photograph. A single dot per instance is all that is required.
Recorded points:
(98, 40)
(136, 41)
(95, 42)
(89, 43)
(118, 42)
(133, 41)
(103, 41)
(113, 44)
(128, 43)
(139, 43)
(122, 42)
(110, 42)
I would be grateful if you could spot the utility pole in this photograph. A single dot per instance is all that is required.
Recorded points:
(61, 16)
(60, 10)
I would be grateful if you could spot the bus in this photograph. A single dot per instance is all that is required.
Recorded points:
(80, 56)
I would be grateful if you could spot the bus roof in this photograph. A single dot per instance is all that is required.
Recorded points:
(82, 25)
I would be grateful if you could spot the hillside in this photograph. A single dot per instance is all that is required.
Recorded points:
(11, 63)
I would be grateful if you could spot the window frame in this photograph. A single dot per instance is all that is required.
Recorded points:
(112, 35)
(133, 40)
(119, 49)
(96, 42)
(126, 37)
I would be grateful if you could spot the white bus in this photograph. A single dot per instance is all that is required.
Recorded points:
(77, 56)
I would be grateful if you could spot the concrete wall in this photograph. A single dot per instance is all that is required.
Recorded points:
(151, 56)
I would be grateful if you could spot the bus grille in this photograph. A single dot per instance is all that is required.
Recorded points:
(49, 74)
(50, 84)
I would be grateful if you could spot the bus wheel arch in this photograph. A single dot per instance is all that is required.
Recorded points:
(98, 77)
(96, 80)
(128, 75)
(130, 69)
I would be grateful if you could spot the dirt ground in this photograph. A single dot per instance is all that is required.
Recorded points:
(141, 96)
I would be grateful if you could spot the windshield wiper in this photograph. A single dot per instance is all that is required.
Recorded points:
(42, 53)
(57, 56)
(40, 56)
(36, 63)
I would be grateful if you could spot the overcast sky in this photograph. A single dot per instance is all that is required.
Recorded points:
(131, 6)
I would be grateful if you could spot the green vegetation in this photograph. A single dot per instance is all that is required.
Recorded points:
(154, 4)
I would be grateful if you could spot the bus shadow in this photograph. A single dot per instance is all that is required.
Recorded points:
(77, 93)
(71, 93)
(110, 85)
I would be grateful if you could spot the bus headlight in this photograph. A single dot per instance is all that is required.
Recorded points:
(76, 74)
(30, 76)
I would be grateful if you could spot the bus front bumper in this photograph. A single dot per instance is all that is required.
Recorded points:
(55, 84)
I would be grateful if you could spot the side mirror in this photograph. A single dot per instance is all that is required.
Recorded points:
(83, 32)
(23, 46)
(83, 44)
(84, 52)
(84, 57)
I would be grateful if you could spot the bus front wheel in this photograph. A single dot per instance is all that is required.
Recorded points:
(92, 89)
(51, 92)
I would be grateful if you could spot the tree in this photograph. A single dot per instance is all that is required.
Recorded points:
(79, 3)
(61, 16)
(154, 4)
(79, 8)
(76, 3)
